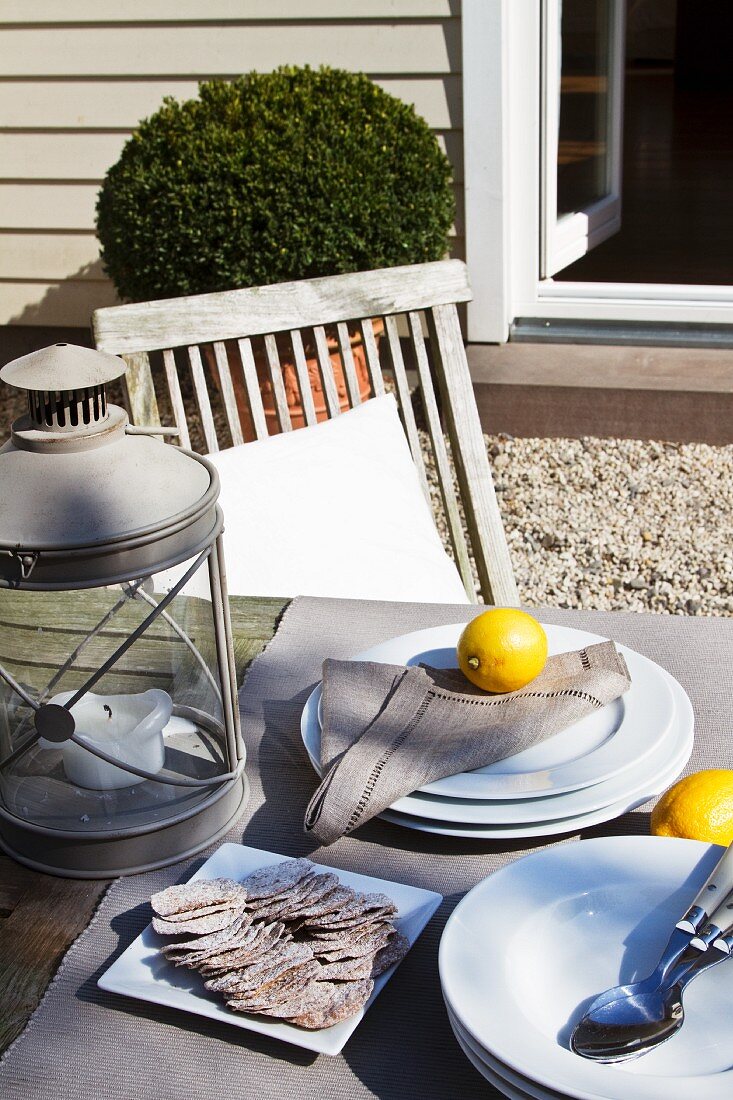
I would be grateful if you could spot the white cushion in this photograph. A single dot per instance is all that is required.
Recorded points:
(333, 510)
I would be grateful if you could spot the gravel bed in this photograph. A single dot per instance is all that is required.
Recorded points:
(617, 524)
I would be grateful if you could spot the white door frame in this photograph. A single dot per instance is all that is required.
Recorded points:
(502, 145)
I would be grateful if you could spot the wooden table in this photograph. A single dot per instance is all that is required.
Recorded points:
(41, 915)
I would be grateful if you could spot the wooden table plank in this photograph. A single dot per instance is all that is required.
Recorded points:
(48, 916)
(41, 915)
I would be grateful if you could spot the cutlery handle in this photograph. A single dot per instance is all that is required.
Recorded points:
(717, 953)
(712, 897)
(722, 915)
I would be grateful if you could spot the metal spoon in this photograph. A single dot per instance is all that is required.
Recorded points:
(702, 923)
(622, 1030)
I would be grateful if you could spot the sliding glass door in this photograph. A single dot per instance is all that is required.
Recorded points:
(582, 123)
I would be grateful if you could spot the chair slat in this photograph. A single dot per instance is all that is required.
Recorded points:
(440, 453)
(278, 386)
(140, 389)
(397, 363)
(333, 405)
(202, 398)
(304, 382)
(174, 391)
(347, 362)
(372, 356)
(227, 392)
(252, 386)
(483, 518)
(234, 314)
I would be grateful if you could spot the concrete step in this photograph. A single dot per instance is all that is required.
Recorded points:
(549, 389)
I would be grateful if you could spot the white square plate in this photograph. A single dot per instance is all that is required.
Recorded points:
(143, 972)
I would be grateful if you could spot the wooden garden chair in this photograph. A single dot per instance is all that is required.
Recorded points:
(399, 295)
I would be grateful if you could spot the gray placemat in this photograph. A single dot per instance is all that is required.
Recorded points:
(90, 1045)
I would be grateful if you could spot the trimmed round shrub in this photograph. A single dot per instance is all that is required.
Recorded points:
(273, 176)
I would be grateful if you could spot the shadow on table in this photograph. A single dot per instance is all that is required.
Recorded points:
(128, 926)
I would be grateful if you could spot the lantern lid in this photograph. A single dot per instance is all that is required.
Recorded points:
(62, 367)
(82, 503)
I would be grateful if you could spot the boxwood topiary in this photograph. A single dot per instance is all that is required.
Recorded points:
(270, 177)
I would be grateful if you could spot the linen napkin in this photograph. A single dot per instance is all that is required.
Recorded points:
(388, 730)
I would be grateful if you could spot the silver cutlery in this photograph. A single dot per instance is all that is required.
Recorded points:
(605, 1031)
(625, 1029)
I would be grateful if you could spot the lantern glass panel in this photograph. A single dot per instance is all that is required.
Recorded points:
(157, 706)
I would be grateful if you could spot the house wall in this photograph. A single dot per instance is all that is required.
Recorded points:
(77, 75)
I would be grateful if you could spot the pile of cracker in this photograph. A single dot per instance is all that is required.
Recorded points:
(285, 942)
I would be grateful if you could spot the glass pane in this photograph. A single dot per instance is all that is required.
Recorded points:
(582, 161)
(158, 707)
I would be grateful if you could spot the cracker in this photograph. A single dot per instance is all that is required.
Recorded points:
(283, 903)
(266, 970)
(204, 911)
(347, 970)
(345, 999)
(368, 945)
(281, 989)
(245, 941)
(393, 952)
(196, 895)
(338, 936)
(361, 907)
(314, 994)
(214, 939)
(272, 880)
(249, 953)
(215, 922)
(351, 924)
(320, 886)
(329, 903)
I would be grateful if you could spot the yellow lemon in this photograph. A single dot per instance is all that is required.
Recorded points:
(699, 807)
(502, 649)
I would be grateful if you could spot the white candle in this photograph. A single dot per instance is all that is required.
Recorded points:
(128, 727)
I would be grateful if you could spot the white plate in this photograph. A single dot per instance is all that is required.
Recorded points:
(628, 784)
(505, 1087)
(659, 771)
(539, 828)
(526, 949)
(496, 1072)
(143, 972)
(596, 748)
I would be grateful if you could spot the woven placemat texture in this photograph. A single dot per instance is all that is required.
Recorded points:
(84, 1044)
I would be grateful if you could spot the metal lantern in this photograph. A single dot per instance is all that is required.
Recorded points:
(120, 746)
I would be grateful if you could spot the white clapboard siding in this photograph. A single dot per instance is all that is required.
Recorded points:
(87, 156)
(41, 205)
(183, 50)
(109, 105)
(49, 256)
(179, 11)
(59, 156)
(77, 76)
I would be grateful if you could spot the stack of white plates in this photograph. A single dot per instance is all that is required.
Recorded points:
(528, 948)
(613, 760)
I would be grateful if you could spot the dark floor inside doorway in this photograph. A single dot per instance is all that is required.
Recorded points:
(677, 215)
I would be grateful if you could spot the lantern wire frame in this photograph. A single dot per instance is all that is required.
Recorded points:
(229, 732)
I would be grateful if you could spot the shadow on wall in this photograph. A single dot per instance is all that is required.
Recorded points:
(70, 303)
